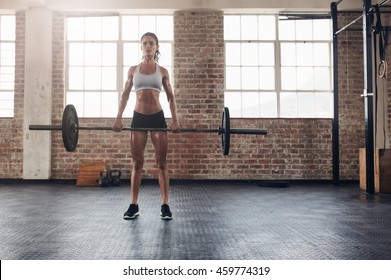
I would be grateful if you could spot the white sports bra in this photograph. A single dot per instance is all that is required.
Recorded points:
(147, 81)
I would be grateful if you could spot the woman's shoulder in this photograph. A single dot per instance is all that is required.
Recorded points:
(163, 70)
(132, 69)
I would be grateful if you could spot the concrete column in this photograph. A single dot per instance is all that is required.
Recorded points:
(37, 93)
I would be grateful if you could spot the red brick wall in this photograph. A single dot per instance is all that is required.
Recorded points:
(351, 104)
(11, 129)
(293, 149)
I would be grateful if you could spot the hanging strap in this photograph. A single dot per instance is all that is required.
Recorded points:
(383, 42)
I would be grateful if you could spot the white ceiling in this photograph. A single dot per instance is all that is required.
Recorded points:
(226, 5)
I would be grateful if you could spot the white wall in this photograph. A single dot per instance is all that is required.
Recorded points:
(38, 93)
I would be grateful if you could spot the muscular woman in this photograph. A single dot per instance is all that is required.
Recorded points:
(148, 78)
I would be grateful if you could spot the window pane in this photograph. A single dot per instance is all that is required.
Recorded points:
(165, 30)
(8, 48)
(267, 27)
(110, 103)
(110, 28)
(322, 78)
(131, 54)
(8, 27)
(93, 54)
(288, 104)
(321, 54)
(92, 104)
(249, 27)
(288, 54)
(304, 54)
(324, 104)
(109, 78)
(288, 78)
(7, 54)
(7, 112)
(147, 24)
(130, 28)
(250, 104)
(305, 78)
(6, 95)
(266, 78)
(76, 78)
(109, 54)
(93, 62)
(7, 82)
(250, 78)
(6, 79)
(322, 29)
(232, 27)
(233, 78)
(6, 104)
(232, 54)
(266, 53)
(6, 85)
(76, 54)
(304, 64)
(93, 28)
(75, 28)
(286, 29)
(166, 54)
(305, 104)
(303, 29)
(7, 71)
(233, 100)
(249, 54)
(165, 105)
(268, 104)
(92, 78)
(77, 99)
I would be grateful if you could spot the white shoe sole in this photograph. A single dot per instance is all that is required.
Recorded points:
(165, 217)
(126, 217)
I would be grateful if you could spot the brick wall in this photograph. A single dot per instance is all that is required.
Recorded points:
(351, 104)
(11, 129)
(293, 149)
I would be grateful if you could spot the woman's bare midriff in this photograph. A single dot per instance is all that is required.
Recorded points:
(147, 102)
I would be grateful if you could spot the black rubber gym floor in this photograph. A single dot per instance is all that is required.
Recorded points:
(212, 220)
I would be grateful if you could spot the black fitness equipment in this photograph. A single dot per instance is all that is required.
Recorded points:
(70, 129)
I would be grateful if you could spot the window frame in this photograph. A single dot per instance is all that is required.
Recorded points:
(279, 91)
(121, 68)
(8, 109)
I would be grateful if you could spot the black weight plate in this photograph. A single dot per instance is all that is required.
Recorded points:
(226, 134)
(70, 131)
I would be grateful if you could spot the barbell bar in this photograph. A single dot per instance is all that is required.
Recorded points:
(70, 129)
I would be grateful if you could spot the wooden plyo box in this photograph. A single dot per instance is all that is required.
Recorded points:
(382, 170)
(89, 173)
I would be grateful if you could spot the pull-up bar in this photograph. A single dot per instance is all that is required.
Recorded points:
(360, 17)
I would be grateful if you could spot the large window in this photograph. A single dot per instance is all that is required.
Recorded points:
(100, 51)
(277, 68)
(7, 65)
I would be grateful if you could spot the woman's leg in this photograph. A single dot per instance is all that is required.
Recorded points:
(160, 143)
(138, 142)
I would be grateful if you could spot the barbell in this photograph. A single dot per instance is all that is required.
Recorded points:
(70, 129)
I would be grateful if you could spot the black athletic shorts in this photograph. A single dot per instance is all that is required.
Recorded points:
(156, 120)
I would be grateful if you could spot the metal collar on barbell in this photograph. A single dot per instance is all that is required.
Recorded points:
(70, 129)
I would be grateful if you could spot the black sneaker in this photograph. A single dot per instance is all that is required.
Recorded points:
(132, 212)
(165, 212)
